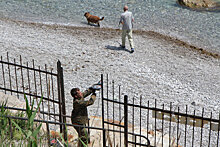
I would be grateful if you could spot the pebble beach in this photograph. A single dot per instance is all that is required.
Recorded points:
(160, 68)
(176, 59)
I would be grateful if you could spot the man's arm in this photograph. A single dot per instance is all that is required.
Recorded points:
(86, 103)
(132, 17)
(121, 21)
(87, 92)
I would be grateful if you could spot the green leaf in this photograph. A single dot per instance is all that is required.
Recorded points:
(32, 105)
(2, 107)
(28, 134)
(84, 145)
(16, 125)
(28, 111)
(34, 134)
(35, 112)
(34, 144)
(61, 137)
(63, 141)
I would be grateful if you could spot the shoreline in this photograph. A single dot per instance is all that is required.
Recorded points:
(156, 35)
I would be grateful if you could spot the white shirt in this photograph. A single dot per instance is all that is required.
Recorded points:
(126, 18)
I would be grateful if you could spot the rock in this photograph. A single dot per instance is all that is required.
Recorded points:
(193, 103)
(96, 137)
(12, 101)
(199, 4)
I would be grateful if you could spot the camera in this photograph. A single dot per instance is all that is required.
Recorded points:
(96, 86)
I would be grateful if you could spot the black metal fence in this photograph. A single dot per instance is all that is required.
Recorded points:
(19, 78)
(125, 121)
(160, 125)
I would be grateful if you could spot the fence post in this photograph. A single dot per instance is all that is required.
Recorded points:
(48, 133)
(104, 140)
(63, 104)
(126, 121)
(61, 97)
(103, 115)
(59, 94)
(10, 128)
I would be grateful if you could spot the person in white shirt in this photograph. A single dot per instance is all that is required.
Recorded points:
(126, 21)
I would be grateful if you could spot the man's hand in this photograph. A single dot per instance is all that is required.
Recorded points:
(121, 22)
(93, 93)
(96, 86)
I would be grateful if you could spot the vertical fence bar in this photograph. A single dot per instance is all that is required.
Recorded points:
(22, 78)
(147, 117)
(9, 73)
(41, 90)
(107, 103)
(52, 92)
(162, 124)
(113, 96)
(193, 127)
(103, 112)
(107, 87)
(201, 128)
(48, 134)
(155, 141)
(10, 128)
(63, 102)
(218, 128)
(133, 119)
(3, 75)
(48, 93)
(29, 87)
(16, 79)
(178, 126)
(210, 129)
(135, 140)
(185, 127)
(35, 84)
(126, 120)
(59, 94)
(170, 123)
(119, 90)
(140, 116)
(104, 139)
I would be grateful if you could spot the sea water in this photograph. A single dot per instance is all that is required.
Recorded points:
(198, 28)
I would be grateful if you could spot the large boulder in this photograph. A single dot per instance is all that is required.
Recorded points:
(199, 4)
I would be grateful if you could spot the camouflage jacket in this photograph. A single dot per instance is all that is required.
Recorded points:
(79, 112)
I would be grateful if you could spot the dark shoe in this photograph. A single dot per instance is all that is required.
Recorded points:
(132, 50)
(122, 47)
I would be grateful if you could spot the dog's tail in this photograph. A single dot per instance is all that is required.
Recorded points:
(102, 18)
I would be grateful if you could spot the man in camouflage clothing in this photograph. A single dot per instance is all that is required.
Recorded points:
(79, 114)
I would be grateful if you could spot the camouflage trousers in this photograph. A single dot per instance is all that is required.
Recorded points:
(83, 136)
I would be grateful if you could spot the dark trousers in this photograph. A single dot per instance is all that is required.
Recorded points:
(83, 135)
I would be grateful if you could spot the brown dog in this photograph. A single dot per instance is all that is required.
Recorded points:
(92, 18)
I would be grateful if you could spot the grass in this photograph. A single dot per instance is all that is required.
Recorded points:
(19, 133)
(16, 132)
(31, 132)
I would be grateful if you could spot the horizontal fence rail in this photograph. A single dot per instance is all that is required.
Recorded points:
(21, 78)
(48, 123)
(163, 127)
(126, 121)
